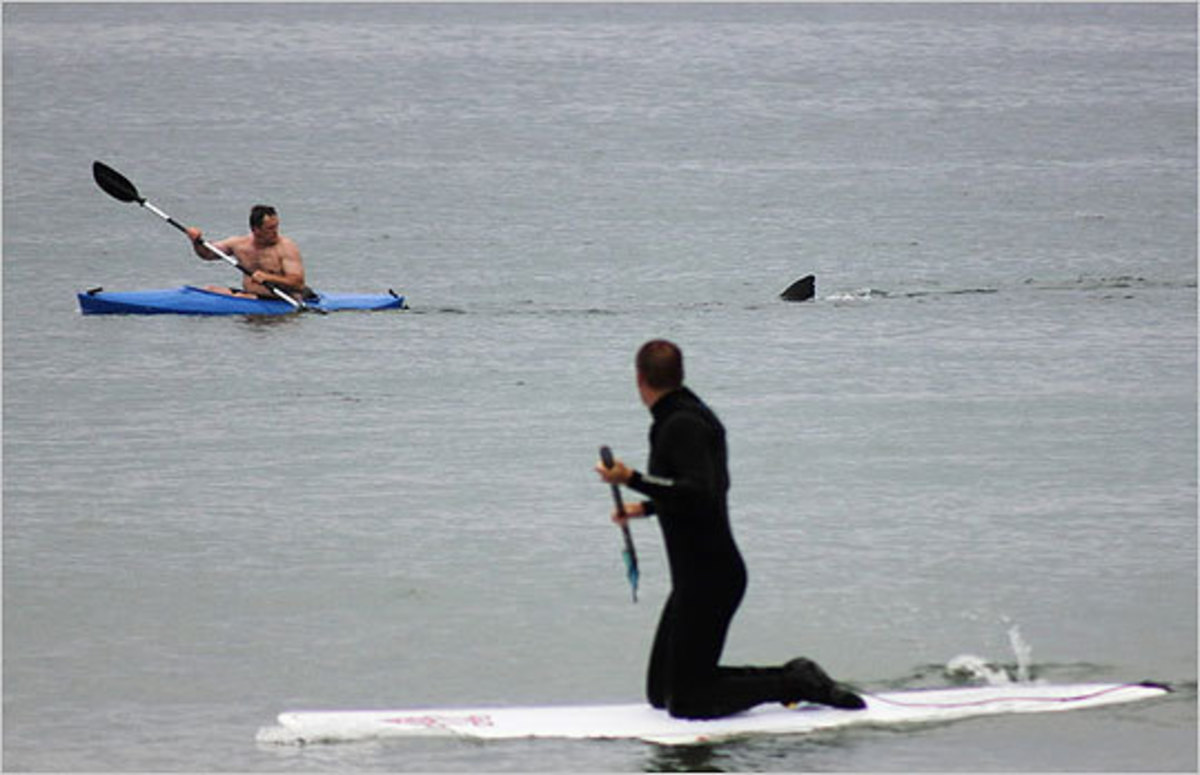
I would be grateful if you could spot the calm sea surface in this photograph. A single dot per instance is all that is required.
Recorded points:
(982, 432)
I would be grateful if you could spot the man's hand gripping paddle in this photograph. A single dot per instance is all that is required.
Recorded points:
(122, 189)
(630, 555)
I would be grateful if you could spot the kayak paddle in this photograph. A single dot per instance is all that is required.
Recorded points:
(630, 555)
(120, 188)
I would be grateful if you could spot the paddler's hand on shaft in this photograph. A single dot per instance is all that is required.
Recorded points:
(618, 474)
(632, 510)
(197, 238)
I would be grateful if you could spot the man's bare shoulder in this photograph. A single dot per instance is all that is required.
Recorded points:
(289, 245)
(239, 241)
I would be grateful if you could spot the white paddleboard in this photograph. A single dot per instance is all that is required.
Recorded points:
(641, 722)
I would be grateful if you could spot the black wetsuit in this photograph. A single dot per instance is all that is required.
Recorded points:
(687, 482)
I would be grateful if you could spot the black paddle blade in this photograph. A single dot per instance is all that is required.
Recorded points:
(114, 183)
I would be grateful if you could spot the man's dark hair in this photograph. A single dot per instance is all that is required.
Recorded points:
(661, 364)
(258, 213)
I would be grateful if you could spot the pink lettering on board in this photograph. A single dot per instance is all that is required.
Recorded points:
(434, 720)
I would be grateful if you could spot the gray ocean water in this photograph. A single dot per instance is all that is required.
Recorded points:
(981, 433)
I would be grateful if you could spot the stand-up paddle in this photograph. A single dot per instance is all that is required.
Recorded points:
(120, 188)
(630, 555)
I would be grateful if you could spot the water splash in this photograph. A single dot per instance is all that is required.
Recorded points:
(968, 667)
(1023, 652)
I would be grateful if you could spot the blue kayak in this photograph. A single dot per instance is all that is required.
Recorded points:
(190, 300)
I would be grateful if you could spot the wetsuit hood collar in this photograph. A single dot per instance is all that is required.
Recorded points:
(667, 404)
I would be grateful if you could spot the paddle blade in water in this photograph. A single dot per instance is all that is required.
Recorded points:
(114, 183)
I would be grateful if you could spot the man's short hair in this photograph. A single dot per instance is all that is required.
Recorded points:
(661, 364)
(258, 213)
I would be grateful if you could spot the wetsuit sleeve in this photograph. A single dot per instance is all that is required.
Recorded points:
(684, 449)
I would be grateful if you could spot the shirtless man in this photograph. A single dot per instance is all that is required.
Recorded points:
(270, 257)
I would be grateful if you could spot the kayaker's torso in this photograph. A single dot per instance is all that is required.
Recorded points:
(278, 258)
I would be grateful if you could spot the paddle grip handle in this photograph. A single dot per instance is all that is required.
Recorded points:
(177, 224)
(606, 456)
(165, 216)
